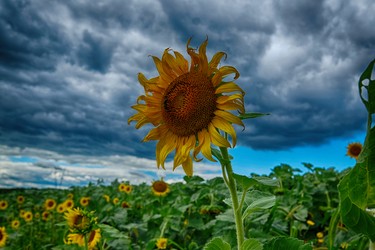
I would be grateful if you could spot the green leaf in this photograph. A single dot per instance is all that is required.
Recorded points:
(286, 243)
(251, 115)
(217, 243)
(365, 83)
(247, 182)
(264, 202)
(251, 244)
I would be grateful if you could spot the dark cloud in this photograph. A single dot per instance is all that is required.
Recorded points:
(68, 70)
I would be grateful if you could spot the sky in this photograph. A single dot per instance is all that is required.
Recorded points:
(68, 77)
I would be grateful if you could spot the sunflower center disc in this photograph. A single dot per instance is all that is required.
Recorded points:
(189, 104)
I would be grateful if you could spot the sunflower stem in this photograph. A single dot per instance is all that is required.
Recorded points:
(231, 184)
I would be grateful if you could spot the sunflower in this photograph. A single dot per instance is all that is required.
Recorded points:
(106, 197)
(46, 215)
(124, 204)
(3, 205)
(128, 189)
(84, 201)
(77, 219)
(116, 200)
(160, 188)
(61, 208)
(28, 216)
(161, 243)
(70, 196)
(93, 238)
(121, 187)
(20, 199)
(50, 204)
(15, 224)
(3, 236)
(354, 149)
(68, 204)
(188, 106)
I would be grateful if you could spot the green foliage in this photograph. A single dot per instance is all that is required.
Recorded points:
(357, 188)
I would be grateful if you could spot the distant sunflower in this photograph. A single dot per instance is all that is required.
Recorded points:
(160, 188)
(124, 204)
(128, 189)
(188, 106)
(28, 216)
(46, 216)
(116, 200)
(20, 199)
(93, 238)
(70, 196)
(15, 224)
(60, 208)
(162, 243)
(3, 236)
(354, 149)
(84, 201)
(69, 204)
(50, 204)
(3, 204)
(121, 187)
(106, 197)
(76, 219)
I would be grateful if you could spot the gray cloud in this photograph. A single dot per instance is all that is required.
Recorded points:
(69, 69)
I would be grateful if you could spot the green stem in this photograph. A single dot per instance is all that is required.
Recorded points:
(86, 243)
(231, 184)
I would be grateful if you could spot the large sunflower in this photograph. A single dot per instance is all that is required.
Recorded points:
(77, 219)
(188, 106)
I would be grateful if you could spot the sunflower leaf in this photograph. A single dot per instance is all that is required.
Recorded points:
(217, 243)
(251, 115)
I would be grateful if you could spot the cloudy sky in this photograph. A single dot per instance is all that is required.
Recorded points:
(68, 76)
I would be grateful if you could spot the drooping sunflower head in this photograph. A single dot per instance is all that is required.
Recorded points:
(354, 149)
(49, 204)
(189, 105)
(160, 188)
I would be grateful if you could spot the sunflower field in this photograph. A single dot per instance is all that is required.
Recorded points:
(287, 204)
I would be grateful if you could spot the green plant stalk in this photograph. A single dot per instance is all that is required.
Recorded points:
(231, 184)
(372, 245)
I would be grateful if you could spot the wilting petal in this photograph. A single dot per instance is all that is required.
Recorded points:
(216, 138)
(223, 125)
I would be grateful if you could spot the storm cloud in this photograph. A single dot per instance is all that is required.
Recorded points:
(68, 70)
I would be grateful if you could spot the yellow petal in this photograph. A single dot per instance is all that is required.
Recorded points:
(204, 145)
(229, 117)
(182, 63)
(203, 57)
(216, 59)
(216, 138)
(188, 166)
(228, 87)
(226, 70)
(222, 124)
(159, 66)
(184, 146)
(164, 148)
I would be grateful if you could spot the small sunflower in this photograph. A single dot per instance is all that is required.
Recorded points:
(160, 188)
(188, 106)
(354, 149)
(46, 215)
(28, 216)
(3, 204)
(77, 219)
(124, 204)
(60, 208)
(121, 187)
(3, 236)
(310, 222)
(20, 199)
(69, 204)
(320, 235)
(50, 204)
(116, 200)
(128, 189)
(70, 196)
(15, 224)
(106, 197)
(93, 238)
(84, 201)
(162, 243)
